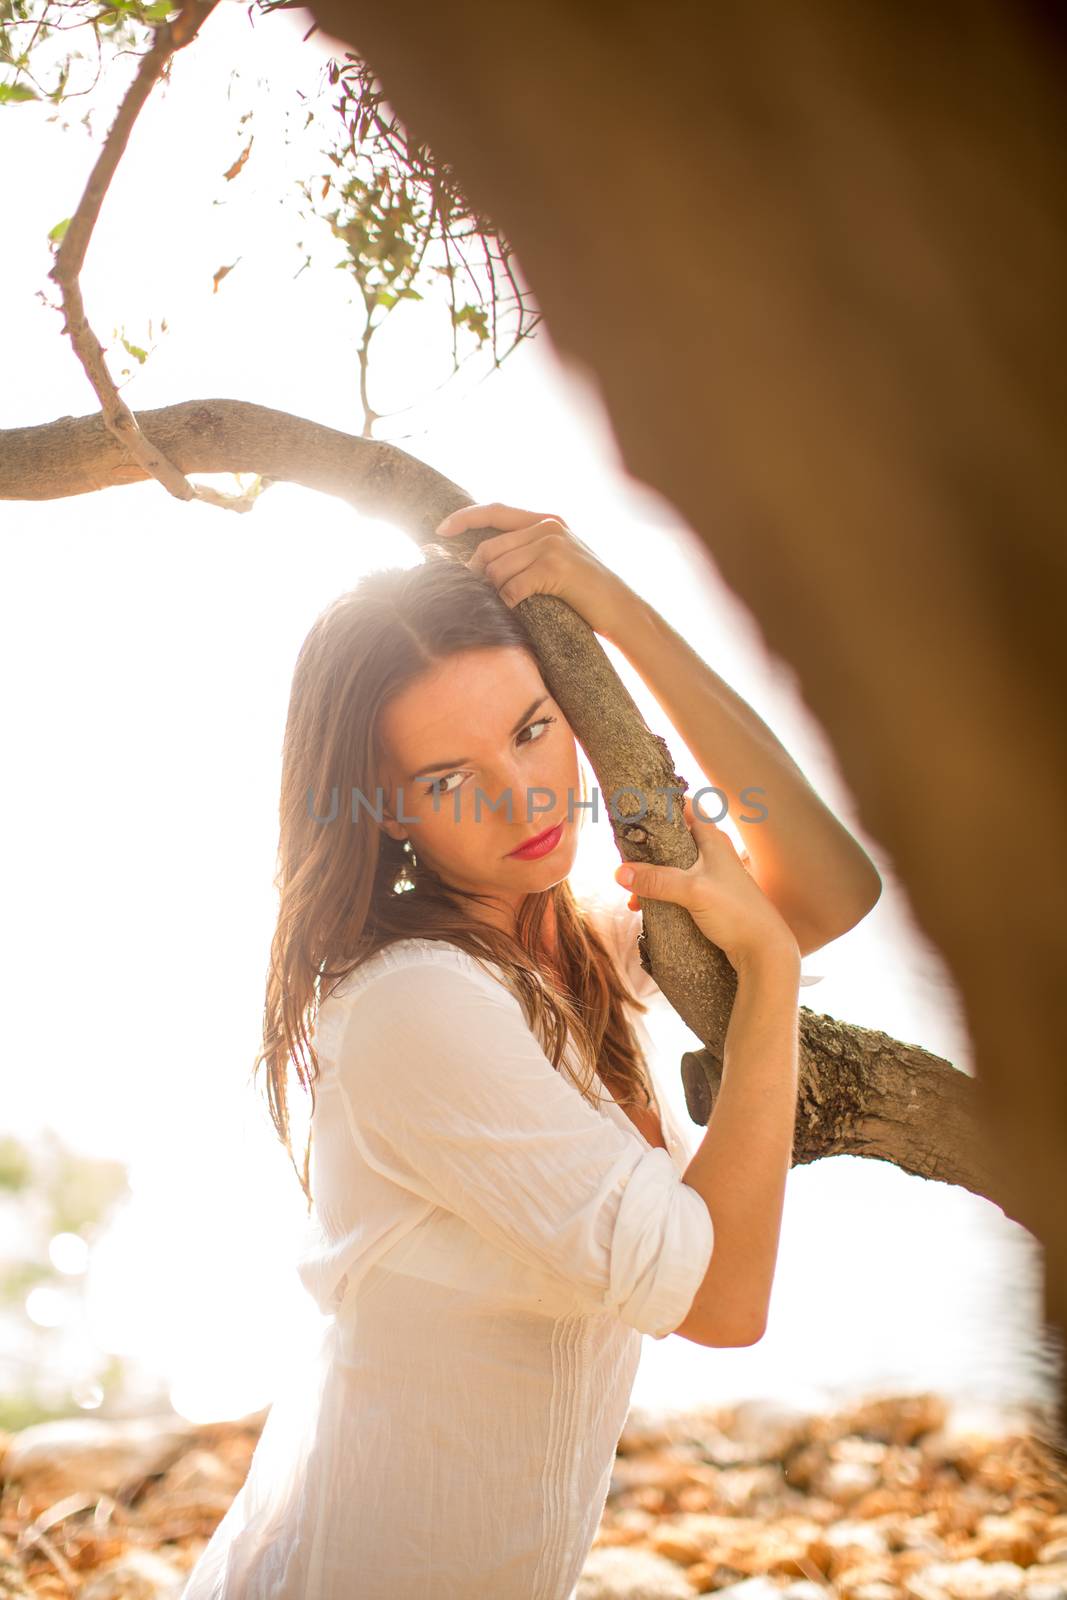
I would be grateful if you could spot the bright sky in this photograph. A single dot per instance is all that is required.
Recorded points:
(148, 648)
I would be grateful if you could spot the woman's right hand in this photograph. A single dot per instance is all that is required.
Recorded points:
(721, 896)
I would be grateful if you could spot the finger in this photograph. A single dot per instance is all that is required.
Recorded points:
(493, 515)
(696, 825)
(653, 882)
(515, 544)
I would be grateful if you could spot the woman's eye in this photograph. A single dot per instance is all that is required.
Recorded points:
(542, 722)
(440, 785)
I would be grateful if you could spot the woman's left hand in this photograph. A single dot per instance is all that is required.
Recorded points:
(540, 555)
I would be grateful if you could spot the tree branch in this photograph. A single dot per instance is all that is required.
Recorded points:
(70, 258)
(79, 455)
(861, 1092)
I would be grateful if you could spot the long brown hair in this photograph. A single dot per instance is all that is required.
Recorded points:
(337, 904)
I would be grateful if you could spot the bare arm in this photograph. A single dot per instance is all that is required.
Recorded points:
(804, 859)
(743, 1160)
(742, 1163)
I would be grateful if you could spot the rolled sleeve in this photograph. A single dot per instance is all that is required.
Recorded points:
(662, 1248)
(449, 1094)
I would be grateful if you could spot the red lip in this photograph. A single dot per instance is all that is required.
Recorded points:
(534, 846)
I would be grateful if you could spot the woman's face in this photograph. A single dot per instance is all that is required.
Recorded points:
(469, 733)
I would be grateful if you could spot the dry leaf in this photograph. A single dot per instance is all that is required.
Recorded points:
(220, 274)
(241, 159)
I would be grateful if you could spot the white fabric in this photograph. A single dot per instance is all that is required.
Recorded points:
(487, 1249)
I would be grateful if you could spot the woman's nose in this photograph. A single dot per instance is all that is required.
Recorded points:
(529, 798)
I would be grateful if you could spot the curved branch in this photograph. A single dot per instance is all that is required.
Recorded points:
(78, 455)
(861, 1092)
(70, 258)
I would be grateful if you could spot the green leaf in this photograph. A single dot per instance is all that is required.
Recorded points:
(57, 93)
(134, 350)
(55, 234)
(12, 93)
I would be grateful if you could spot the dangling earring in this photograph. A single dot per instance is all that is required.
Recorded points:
(405, 878)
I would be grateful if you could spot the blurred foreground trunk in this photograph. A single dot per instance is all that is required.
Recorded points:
(814, 260)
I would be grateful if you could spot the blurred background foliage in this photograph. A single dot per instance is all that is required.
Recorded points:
(55, 1206)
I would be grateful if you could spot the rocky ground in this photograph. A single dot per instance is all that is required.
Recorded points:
(903, 1497)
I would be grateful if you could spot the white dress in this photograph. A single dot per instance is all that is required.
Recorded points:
(488, 1249)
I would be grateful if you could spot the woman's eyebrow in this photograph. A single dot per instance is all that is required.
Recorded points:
(457, 761)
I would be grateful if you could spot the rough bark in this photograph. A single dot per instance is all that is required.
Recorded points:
(78, 455)
(863, 1093)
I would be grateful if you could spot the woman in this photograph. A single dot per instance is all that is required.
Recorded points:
(502, 1204)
